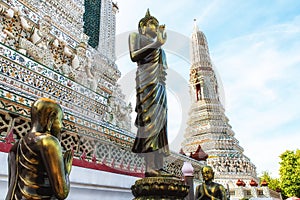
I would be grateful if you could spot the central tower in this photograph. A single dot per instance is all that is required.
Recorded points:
(207, 125)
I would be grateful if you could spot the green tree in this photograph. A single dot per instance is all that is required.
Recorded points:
(273, 183)
(290, 173)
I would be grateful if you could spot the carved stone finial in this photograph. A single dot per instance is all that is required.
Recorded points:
(253, 183)
(187, 169)
(199, 154)
(264, 183)
(240, 183)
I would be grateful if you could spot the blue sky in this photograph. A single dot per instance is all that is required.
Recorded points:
(255, 48)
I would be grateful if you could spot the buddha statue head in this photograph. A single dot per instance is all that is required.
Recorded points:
(46, 117)
(207, 173)
(148, 24)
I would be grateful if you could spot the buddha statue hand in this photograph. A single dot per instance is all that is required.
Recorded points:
(68, 159)
(161, 35)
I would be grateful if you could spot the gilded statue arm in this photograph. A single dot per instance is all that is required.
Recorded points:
(137, 52)
(223, 192)
(199, 192)
(57, 166)
(12, 164)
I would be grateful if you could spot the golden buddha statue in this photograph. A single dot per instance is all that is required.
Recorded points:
(151, 99)
(209, 190)
(37, 167)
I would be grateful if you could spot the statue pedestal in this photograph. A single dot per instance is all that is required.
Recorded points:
(159, 188)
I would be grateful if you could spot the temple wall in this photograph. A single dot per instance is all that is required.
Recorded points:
(3, 175)
(86, 184)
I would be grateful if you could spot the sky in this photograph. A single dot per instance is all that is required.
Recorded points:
(255, 48)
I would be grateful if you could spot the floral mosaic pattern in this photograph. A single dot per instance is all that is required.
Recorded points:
(105, 146)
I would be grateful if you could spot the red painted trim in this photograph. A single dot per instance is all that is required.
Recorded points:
(4, 147)
(102, 167)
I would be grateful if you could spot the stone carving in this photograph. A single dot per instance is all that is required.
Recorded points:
(38, 46)
(119, 113)
(123, 116)
(82, 67)
(224, 165)
(110, 117)
(82, 63)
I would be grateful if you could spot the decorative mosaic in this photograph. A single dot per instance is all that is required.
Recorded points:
(43, 43)
(107, 29)
(83, 127)
(80, 143)
(106, 149)
(49, 74)
(232, 166)
(34, 17)
(69, 19)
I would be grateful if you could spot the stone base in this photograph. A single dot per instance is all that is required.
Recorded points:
(159, 188)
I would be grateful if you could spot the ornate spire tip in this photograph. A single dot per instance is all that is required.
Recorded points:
(147, 13)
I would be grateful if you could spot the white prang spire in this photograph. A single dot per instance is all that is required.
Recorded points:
(196, 28)
(208, 125)
(199, 47)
